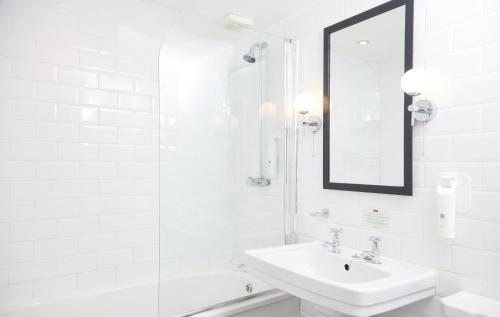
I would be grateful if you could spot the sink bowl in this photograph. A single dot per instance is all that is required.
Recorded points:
(339, 282)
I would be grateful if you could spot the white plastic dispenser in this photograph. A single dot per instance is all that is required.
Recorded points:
(453, 195)
(446, 206)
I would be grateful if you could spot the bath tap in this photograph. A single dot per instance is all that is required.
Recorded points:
(241, 267)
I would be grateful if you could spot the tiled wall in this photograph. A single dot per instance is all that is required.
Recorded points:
(78, 146)
(459, 43)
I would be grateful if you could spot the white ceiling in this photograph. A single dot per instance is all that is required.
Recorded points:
(206, 17)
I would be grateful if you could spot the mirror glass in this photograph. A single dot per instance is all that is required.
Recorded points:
(366, 106)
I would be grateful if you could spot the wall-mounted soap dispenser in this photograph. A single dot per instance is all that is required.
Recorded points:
(453, 195)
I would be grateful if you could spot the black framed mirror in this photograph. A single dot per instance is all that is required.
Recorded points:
(367, 136)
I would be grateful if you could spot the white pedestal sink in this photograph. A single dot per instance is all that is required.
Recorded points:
(336, 281)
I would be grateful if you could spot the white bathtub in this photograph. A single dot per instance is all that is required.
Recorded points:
(193, 293)
(200, 291)
(127, 302)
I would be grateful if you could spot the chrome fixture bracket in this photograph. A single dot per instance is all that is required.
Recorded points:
(258, 181)
(422, 110)
(324, 213)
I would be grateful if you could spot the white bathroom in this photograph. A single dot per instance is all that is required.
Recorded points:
(212, 158)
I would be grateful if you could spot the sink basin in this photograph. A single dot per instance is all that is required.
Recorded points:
(339, 282)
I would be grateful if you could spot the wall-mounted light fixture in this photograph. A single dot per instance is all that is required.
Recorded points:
(303, 104)
(414, 82)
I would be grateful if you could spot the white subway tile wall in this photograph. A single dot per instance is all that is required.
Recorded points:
(78, 146)
(458, 42)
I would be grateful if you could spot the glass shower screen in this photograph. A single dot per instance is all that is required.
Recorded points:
(222, 165)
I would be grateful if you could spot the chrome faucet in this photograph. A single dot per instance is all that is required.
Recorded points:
(335, 244)
(372, 256)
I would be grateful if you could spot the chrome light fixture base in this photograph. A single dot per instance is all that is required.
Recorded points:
(422, 110)
(313, 122)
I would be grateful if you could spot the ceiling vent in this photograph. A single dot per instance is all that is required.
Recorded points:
(235, 22)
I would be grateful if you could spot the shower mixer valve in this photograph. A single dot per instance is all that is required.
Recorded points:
(258, 181)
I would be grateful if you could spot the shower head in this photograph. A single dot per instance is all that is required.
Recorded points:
(250, 56)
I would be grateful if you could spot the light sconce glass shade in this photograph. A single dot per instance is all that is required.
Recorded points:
(268, 109)
(415, 81)
(303, 103)
(216, 120)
